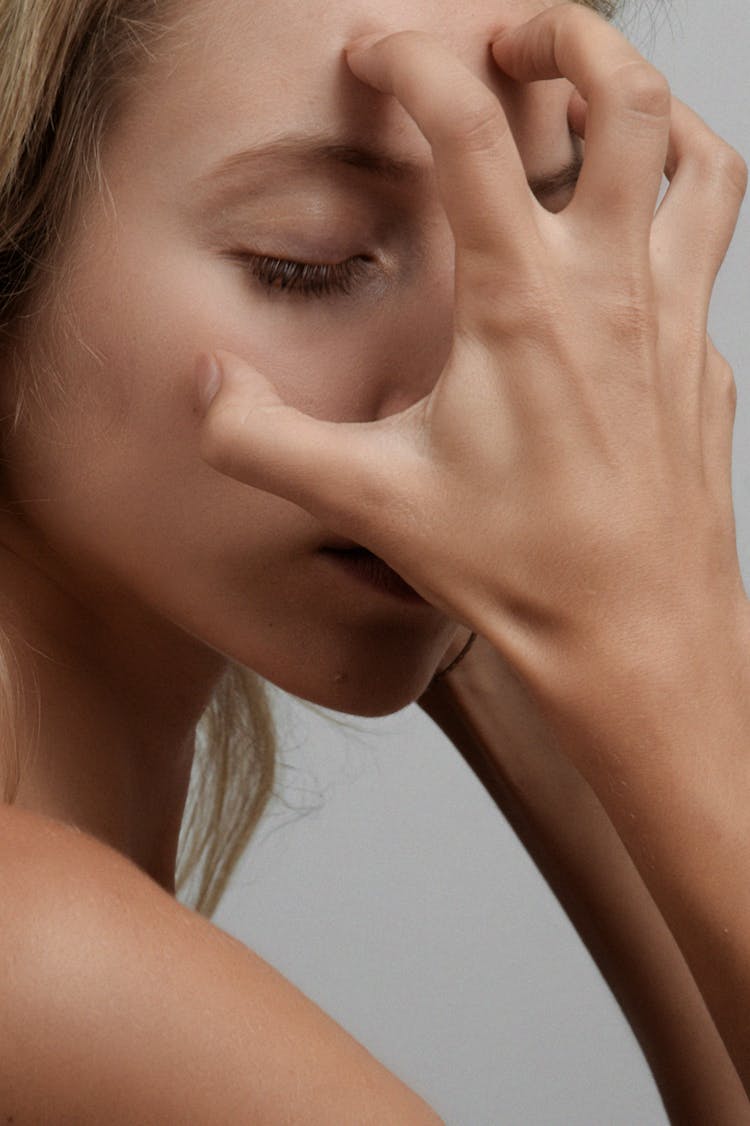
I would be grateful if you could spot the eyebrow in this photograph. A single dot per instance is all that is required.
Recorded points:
(301, 151)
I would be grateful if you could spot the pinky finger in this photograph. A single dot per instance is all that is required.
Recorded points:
(694, 224)
(719, 405)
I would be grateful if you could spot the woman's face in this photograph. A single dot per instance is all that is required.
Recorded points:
(158, 273)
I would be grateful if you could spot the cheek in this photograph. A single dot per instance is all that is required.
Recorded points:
(118, 449)
(115, 450)
(144, 305)
(152, 298)
(156, 314)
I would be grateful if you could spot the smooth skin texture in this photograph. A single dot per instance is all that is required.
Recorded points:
(564, 488)
(502, 735)
(121, 1006)
(131, 569)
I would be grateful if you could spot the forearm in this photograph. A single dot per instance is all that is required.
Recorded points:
(662, 735)
(566, 831)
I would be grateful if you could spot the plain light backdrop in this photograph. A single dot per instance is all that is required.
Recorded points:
(390, 889)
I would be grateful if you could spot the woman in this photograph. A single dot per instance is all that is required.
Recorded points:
(387, 254)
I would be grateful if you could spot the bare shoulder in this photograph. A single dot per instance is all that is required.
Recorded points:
(135, 1009)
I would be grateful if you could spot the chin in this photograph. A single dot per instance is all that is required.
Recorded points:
(364, 692)
(367, 702)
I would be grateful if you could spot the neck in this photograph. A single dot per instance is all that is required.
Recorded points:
(111, 697)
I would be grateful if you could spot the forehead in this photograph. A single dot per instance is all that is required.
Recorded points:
(302, 27)
(321, 18)
(233, 73)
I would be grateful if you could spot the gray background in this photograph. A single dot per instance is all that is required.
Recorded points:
(401, 902)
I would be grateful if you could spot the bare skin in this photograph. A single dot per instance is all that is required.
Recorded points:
(503, 737)
(133, 570)
(566, 492)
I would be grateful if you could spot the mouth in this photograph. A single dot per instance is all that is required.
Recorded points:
(337, 544)
(367, 568)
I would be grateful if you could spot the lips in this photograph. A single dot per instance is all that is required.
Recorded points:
(374, 571)
(343, 545)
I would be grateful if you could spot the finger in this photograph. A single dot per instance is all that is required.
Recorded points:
(627, 120)
(695, 222)
(342, 473)
(577, 109)
(479, 171)
(719, 406)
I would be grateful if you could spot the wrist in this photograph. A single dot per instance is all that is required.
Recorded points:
(659, 671)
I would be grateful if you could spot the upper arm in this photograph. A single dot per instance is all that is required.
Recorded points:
(120, 1005)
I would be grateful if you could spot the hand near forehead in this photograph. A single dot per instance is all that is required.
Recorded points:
(574, 454)
(565, 487)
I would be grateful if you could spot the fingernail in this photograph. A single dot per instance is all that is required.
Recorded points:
(209, 379)
(364, 42)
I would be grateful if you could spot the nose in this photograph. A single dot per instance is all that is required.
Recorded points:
(417, 340)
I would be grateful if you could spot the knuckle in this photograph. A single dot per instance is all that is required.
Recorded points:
(703, 149)
(482, 125)
(642, 87)
(732, 167)
(718, 163)
(575, 19)
(497, 316)
(633, 320)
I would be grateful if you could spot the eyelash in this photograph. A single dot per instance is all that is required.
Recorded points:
(305, 279)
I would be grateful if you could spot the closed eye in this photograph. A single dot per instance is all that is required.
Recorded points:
(288, 277)
(305, 279)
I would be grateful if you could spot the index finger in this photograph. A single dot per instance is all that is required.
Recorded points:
(479, 172)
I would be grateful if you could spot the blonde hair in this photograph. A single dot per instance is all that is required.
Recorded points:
(66, 67)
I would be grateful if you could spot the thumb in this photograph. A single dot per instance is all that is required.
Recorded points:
(343, 473)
